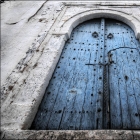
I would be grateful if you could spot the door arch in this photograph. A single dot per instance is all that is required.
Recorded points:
(81, 92)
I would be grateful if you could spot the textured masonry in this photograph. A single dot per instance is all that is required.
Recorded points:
(32, 41)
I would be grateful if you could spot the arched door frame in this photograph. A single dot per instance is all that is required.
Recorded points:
(67, 26)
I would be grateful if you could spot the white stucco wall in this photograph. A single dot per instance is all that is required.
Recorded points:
(33, 34)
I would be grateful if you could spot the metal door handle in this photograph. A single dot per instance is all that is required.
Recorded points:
(110, 36)
(95, 34)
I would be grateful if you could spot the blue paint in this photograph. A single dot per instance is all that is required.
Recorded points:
(95, 84)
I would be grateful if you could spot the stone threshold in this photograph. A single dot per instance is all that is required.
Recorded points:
(71, 134)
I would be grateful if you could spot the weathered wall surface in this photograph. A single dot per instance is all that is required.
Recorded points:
(22, 24)
(32, 37)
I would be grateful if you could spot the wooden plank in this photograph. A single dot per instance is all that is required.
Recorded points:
(61, 100)
(135, 68)
(115, 105)
(133, 86)
(131, 109)
(114, 90)
(93, 72)
(115, 109)
(99, 79)
(123, 94)
(77, 120)
(89, 116)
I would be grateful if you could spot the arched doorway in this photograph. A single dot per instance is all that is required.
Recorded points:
(96, 83)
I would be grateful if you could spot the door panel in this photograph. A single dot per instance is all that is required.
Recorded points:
(123, 48)
(124, 88)
(71, 100)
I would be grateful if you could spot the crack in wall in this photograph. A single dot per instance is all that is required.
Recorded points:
(12, 23)
(133, 134)
(37, 11)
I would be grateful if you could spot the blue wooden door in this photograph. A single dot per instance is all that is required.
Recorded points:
(124, 82)
(96, 83)
(123, 52)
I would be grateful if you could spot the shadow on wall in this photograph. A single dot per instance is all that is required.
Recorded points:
(2, 1)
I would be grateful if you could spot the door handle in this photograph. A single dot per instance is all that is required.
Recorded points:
(95, 34)
(110, 36)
